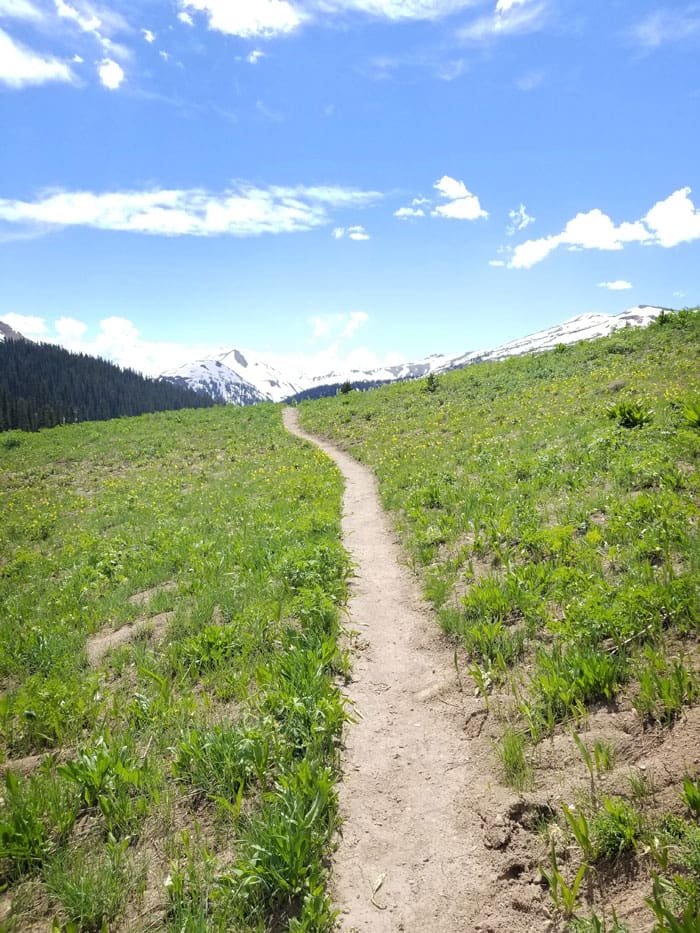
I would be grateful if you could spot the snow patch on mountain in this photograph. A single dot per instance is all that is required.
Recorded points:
(242, 377)
(7, 333)
(583, 327)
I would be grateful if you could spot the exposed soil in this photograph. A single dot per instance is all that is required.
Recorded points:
(108, 638)
(411, 855)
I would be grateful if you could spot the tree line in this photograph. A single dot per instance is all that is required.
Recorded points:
(42, 385)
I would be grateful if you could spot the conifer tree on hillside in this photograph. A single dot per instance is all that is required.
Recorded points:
(42, 385)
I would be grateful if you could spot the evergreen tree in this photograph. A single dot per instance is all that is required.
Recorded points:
(42, 385)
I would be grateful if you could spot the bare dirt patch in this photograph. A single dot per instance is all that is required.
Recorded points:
(145, 596)
(107, 639)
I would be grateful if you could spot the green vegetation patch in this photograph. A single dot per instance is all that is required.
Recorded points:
(188, 762)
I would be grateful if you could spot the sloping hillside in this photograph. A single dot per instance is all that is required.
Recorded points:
(551, 506)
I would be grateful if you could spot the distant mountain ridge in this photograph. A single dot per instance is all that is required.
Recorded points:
(244, 377)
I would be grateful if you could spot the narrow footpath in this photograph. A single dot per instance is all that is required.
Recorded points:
(410, 856)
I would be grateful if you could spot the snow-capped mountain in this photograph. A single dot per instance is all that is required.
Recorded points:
(243, 377)
(583, 327)
(235, 377)
(7, 333)
(217, 380)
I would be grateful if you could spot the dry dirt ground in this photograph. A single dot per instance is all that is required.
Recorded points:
(411, 854)
(431, 838)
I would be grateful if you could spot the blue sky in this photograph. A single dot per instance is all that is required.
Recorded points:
(342, 180)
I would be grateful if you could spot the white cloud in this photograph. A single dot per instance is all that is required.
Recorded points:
(461, 203)
(669, 222)
(519, 220)
(118, 339)
(337, 326)
(70, 330)
(148, 35)
(497, 263)
(185, 18)
(396, 9)
(509, 17)
(675, 220)
(595, 230)
(665, 26)
(356, 232)
(355, 319)
(505, 6)
(403, 213)
(267, 18)
(321, 325)
(242, 210)
(26, 325)
(530, 252)
(249, 18)
(19, 9)
(254, 57)
(619, 285)
(111, 74)
(21, 66)
(87, 21)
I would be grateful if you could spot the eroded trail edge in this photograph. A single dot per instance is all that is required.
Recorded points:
(408, 857)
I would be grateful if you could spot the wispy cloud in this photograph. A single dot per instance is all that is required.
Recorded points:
(665, 26)
(243, 210)
(93, 26)
(267, 18)
(19, 9)
(509, 17)
(248, 19)
(519, 220)
(356, 232)
(669, 222)
(334, 326)
(21, 66)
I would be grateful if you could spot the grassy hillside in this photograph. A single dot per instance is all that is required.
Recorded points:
(551, 505)
(169, 592)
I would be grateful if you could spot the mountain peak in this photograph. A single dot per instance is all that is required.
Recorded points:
(222, 378)
(8, 333)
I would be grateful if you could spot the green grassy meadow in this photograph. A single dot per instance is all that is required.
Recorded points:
(183, 780)
(550, 504)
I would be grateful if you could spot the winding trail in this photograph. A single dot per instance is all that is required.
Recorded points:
(410, 856)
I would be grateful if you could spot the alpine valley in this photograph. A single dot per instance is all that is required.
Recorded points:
(244, 377)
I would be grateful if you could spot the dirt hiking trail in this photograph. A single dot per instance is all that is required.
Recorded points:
(411, 854)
